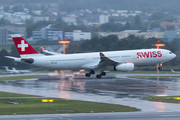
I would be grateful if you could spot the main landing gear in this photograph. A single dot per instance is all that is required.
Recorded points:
(89, 73)
(101, 73)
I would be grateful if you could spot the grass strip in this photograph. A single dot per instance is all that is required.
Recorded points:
(35, 106)
(167, 99)
(143, 72)
(18, 77)
(7, 94)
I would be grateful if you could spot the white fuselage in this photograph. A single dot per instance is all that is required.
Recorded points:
(78, 61)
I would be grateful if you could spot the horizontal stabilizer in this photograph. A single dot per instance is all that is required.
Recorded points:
(14, 58)
(27, 60)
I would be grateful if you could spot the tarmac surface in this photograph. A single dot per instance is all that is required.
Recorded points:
(122, 90)
(97, 116)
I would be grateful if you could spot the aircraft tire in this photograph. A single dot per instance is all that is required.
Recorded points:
(160, 68)
(92, 72)
(98, 76)
(103, 73)
(88, 75)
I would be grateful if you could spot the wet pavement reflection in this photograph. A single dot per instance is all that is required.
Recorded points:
(117, 88)
(123, 91)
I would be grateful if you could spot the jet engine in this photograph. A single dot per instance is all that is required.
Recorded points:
(124, 67)
(28, 60)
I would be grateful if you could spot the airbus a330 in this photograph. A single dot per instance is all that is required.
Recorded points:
(96, 61)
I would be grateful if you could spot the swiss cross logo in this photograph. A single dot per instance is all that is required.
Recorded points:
(22, 45)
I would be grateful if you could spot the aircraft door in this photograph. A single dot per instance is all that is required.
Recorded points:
(164, 54)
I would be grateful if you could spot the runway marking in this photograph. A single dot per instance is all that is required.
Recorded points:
(101, 117)
(168, 115)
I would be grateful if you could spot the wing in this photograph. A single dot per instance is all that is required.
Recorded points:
(107, 61)
(104, 61)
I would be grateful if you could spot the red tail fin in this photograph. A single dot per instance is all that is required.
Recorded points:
(23, 47)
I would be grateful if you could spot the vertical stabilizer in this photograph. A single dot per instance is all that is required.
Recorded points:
(6, 67)
(23, 47)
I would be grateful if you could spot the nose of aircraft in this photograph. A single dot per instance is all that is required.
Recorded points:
(174, 55)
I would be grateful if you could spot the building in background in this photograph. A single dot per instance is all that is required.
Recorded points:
(5, 33)
(48, 34)
(78, 35)
(138, 33)
(37, 35)
(103, 19)
(70, 20)
(35, 19)
(17, 18)
(3, 36)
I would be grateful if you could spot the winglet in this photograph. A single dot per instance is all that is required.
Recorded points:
(101, 54)
(43, 49)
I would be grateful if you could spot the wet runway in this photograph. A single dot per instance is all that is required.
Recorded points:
(97, 116)
(123, 90)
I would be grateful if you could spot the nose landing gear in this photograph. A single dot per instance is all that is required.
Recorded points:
(160, 67)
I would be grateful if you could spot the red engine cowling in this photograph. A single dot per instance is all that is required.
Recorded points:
(124, 67)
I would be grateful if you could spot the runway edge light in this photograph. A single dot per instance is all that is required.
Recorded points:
(51, 100)
(177, 98)
(46, 100)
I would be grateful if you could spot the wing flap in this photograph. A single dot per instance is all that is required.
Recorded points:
(91, 66)
(107, 61)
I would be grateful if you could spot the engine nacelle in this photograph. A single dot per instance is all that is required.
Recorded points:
(124, 67)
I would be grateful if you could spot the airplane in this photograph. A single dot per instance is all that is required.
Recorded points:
(21, 71)
(15, 71)
(111, 60)
(10, 71)
(174, 71)
(49, 52)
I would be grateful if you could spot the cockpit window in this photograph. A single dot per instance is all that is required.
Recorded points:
(170, 52)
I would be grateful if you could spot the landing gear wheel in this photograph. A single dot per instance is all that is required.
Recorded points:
(160, 68)
(103, 73)
(98, 76)
(88, 75)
